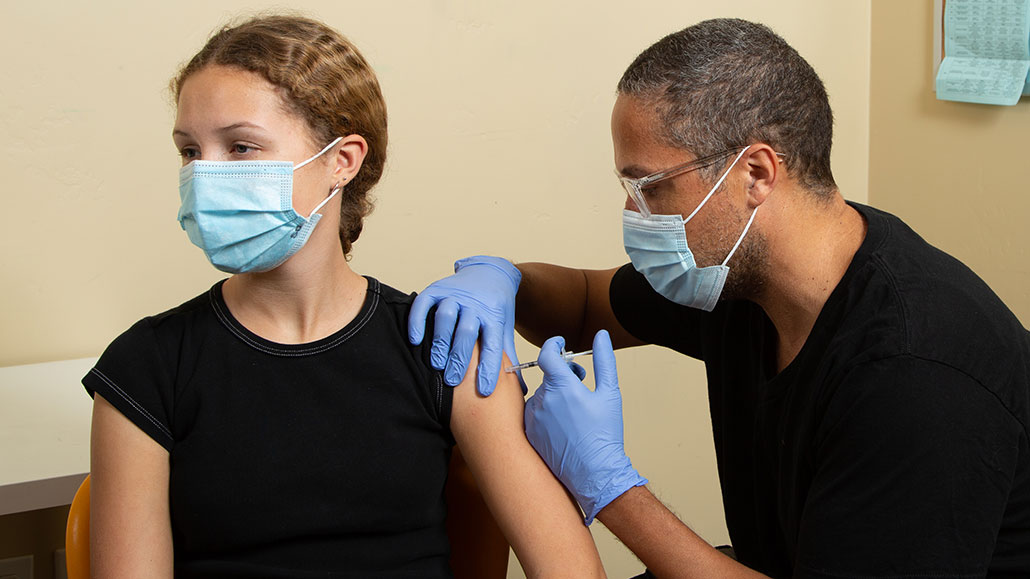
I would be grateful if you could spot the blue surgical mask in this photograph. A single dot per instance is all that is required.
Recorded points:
(657, 246)
(241, 212)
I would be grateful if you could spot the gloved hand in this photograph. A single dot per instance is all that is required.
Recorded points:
(577, 432)
(479, 296)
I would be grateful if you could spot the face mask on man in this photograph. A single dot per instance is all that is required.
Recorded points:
(657, 246)
(241, 212)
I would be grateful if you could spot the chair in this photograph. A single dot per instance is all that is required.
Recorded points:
(76, 534)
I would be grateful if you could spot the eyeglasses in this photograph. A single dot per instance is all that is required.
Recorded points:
(635, 186)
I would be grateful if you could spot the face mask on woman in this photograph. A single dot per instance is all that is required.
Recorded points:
(241, 212)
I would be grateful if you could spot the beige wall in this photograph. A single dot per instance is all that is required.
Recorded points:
(956, 172)
(499, 144)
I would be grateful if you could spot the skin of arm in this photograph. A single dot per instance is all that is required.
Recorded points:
(478, 547)
(573, 303)
(539, 518)
(130, 524)
(663, 543)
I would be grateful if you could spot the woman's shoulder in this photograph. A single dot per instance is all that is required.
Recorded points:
(390, 295)
(169, 325)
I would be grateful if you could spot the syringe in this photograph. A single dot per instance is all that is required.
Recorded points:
(564, 356)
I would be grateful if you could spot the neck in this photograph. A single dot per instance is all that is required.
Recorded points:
(311, 296)
(811, 243)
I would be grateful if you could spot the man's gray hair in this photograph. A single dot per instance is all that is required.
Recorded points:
(726, 83)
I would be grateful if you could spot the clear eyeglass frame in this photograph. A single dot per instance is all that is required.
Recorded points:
(634, 186)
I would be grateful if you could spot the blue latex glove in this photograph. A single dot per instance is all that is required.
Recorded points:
(480, 296)
(577, 432)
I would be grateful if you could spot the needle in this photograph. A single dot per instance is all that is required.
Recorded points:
(564, 355)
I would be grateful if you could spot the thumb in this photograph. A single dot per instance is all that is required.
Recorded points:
(606, 377)
(550, 358)
(417, 316)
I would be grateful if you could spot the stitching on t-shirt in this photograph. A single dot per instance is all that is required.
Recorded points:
(435, 377)
(884, 270)
(139, 408)
(223, 317)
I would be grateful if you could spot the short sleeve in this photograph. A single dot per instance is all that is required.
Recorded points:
(442, 394)
(913, 465)
(132, 376)
(652, 318)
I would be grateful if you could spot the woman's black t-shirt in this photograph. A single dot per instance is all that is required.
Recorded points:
(325, 459)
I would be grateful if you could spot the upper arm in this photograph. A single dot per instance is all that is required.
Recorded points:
(535, 512)
(130, 523)
(912, 471)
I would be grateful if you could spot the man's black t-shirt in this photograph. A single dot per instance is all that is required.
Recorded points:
(895, 443)
(325, 459)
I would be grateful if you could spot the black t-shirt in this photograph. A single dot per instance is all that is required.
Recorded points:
(325, 459)
(894, 444)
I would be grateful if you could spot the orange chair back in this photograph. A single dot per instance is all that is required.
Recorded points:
(76, 534)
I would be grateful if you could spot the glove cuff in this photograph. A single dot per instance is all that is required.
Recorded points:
(620, 482)
(499, 263)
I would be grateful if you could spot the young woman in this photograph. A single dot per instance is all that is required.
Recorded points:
(280, 425)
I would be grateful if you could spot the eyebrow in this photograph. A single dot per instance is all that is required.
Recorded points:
(226, 129)
(634, 171)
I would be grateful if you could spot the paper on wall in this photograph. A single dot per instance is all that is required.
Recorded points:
(986, 51)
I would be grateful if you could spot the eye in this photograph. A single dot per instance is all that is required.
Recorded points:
(243, 149)
(650, 190)
(189, 154)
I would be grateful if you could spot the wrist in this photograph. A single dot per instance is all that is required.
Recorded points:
(499, 263)
(606, 488)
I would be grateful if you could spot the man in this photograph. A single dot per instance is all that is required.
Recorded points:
(869, 394)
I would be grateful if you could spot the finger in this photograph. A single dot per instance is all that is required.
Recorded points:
(443, 331)
(417, 316)
(578, 370)
(490, 351)
(465, 337)
(551, 361)
(529, 417)
(605, 374)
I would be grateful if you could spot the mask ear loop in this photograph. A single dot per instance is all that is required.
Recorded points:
(332, 194)
(741, 238)
(335, 189)
(318, 154)
(717, 183)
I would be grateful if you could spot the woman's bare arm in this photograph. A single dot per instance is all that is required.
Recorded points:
(130, 525)
(479, 548)
(539, 518)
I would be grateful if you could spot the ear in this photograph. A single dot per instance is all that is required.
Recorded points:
(764, 169)
(348, 154)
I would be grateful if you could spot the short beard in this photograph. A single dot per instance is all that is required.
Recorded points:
(748, 268)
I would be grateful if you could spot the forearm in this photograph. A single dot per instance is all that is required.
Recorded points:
(550, 302)
(662, 542)
(561, 301)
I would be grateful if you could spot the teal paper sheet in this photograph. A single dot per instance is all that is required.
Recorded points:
(986, 51)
